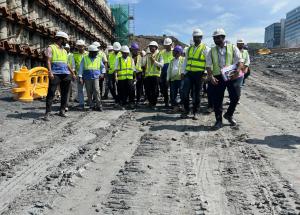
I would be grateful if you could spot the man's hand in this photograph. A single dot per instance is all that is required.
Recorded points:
(50, 74)
(80, 80)
(73, 76)
(182, 76)
(235, 75)
(213, 80)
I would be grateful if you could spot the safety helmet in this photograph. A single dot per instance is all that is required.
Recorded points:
(168, 41)
(125, 49)
(80, 43)
(153, 43)
(62, 34)
(219, 32)
(117, 46)
(197, 32)
(93, 48)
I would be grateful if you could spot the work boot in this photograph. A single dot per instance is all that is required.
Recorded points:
(195, 116)
(184, 115)
(209, 110)
(46, 117)
(62, 113)
(230, 119)
(218, 125)
(99, 109)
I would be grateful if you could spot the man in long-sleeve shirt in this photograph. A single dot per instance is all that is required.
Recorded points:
(90, 70)
(224, 54)
(153, 63)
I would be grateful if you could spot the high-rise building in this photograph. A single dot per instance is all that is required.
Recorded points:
(272, 35)
(292, 28)
(27, 27)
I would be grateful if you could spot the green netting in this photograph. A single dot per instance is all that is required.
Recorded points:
(121, 14)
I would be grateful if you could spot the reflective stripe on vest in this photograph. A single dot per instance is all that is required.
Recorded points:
(167, 56)
(125, 70)
(196, 59)
(77, 59)
(112, 57)
(151, 69)
(178, 74)
(215, 58)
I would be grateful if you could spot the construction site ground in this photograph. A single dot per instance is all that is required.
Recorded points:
(152, 162)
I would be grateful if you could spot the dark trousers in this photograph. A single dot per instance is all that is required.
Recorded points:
(209, 95)
(63, 81)
(125, 91)
(112, 86)
(163, 84)
(246, 75)
(175, 88)
(234, 91)
(192, 83)
(139, 87)
(152, 89)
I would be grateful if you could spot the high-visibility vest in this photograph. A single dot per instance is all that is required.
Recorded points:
(112, 57)
(91, 69)
(245, 56)
(215, 58)
(138, 65)
(196, 59)
(151, 69)
(167, 56)
(59, 61)
(70, 60)
(77, 59)
(178, 74)
(125, 69)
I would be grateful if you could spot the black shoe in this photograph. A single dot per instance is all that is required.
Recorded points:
(218, 125)
(46, 117)
(195, 116)
(230, 119)
(62, 113)
(99, 109)
(184, 115)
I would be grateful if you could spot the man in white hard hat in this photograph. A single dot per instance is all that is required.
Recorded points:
(124, 72)
(220, 56)
(90, 71)
(153, 63)
(193, 70)
(112, 57)
(245, 55)
(78, 55)
(60, 74)
(103, 81)
(167, 55)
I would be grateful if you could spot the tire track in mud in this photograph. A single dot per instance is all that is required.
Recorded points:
(66, 151)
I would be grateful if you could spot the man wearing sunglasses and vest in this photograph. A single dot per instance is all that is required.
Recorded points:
(193, 70)
(221, 56)
(90, 71)
(60, 74)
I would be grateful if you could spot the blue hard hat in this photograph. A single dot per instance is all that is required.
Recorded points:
(134, 46)
(178, 49)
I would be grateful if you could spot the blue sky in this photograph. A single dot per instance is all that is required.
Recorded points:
(240, 18)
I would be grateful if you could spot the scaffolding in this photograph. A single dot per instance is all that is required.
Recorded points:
(124, 22)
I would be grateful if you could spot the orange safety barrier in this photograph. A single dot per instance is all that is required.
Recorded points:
(32, 84)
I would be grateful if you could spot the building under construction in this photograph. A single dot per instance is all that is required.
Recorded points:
(27, 27)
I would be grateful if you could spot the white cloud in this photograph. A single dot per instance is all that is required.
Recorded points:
(251, 34)
(278, 6)
(193, 4)
(170, 33)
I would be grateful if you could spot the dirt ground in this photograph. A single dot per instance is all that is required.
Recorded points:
(144, 162)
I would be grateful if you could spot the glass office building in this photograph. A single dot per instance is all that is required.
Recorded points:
(292, 28)
(272, 35)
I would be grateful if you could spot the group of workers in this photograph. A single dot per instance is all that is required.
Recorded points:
(130, 74)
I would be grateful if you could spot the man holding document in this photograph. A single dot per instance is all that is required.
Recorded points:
(224, 66)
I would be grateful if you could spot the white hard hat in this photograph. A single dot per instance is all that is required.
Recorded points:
(62, 34)
(219, 32)
(241, 41)
(96, 44)
(67, 46)
(110, 47)
(125, 49)
(80, 43)
(168, 41)
(153, 43)
(93, 48)
(197, 32)
(117, 46)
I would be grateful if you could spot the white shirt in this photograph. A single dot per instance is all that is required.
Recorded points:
(175, 68)
(205, 52)
(222, 57)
